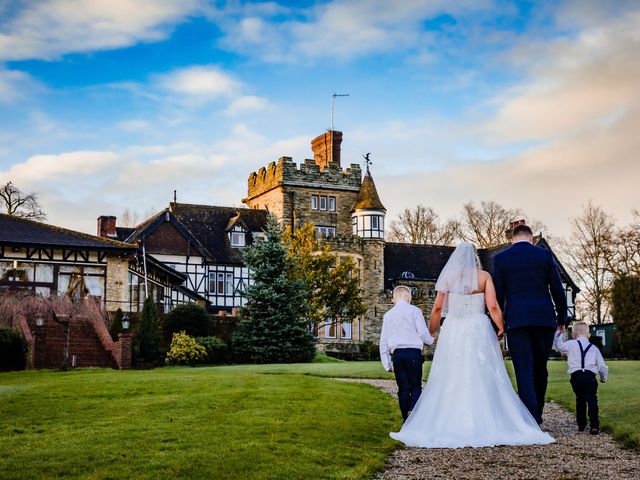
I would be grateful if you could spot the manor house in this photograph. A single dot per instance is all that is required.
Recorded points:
(204, 242)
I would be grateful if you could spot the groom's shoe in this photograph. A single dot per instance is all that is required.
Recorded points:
(581, 428)
(594, 431)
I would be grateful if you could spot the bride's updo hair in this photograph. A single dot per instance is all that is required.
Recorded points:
(478, 262)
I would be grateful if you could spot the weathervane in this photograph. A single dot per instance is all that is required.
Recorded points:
(367, 160)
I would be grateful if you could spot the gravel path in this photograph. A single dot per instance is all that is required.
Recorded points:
(575, 455)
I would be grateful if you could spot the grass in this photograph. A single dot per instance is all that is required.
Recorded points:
(241, 421)
(618, 399)
(227, 422)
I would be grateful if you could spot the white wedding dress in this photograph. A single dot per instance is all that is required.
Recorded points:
(468, 400)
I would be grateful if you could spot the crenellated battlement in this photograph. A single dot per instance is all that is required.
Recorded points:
(286, 172)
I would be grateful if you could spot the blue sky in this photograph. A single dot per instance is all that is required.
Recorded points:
(112, 104)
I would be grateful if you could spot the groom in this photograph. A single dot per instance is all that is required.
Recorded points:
(530, 292)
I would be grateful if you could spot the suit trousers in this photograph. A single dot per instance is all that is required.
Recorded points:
(585, 386)
(407, 368)
(529, 348)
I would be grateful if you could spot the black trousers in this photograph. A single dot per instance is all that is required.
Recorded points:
(529, 348)
(407, 368)
(585, 386)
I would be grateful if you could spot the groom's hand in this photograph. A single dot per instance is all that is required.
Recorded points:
(390, 369)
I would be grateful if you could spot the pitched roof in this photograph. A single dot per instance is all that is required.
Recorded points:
(368, 195)
(147, 228)
(210, 225)
(20, 231)
(425, 262)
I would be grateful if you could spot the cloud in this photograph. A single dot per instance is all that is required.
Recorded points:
(247, 103)
(340, 29)
(51, 28)
(571, 124)
(16, 85)
(198, 83)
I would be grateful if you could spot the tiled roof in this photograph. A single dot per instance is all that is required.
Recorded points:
(123, 232)
(368, 195)
(19, 231)
(425, 262)
(210, 225)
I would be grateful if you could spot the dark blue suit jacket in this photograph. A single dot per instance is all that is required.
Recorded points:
(528, 286)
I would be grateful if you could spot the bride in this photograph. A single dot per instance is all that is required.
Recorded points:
(468, 400)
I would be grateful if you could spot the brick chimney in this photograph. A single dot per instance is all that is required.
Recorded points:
(512, 226)
(321, 146)
(107, 226)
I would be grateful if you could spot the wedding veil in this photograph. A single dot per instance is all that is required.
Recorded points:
(460, 274)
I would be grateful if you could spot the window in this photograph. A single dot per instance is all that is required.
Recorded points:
(332, 204)
(602, 335)
(221, 283)
(374, 223)
(329, 329)
(346, 330)
(354, 223)
(314, 202)
(314, 330)
(237, 239)
(228, 286)
(326, 231)
(323, 203)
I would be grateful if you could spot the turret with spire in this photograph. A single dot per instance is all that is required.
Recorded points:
(368, 213)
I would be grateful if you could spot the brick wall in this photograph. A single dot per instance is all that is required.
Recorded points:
(84, 343)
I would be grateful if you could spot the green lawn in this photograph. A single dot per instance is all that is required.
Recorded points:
(245, 421)
(619, 398)
(209, 423)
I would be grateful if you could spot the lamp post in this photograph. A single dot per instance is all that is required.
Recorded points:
(125, 323)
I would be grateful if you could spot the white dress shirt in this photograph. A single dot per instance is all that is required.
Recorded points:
(593, 360)
(402, 327)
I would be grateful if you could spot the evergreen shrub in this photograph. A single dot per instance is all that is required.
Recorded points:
(625, 310)
(190, 318)
(215, 347)
(185, 350)
(12, 350)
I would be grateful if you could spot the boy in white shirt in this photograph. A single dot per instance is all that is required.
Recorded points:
(404, 331)
(585, 361)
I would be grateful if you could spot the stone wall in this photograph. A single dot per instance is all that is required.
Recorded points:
(373, 289)
(117, 292)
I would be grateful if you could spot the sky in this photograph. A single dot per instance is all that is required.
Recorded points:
(114, 104)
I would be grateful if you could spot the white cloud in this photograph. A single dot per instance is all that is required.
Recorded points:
(247, 103)
(51, 28)
(198, 83)
(15, 85)
(340, 29)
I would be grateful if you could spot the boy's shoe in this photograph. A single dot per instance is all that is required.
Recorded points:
(594, 431)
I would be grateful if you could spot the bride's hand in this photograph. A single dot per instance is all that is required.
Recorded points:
(500, 333)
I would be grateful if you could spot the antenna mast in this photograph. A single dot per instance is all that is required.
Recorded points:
(333, 107)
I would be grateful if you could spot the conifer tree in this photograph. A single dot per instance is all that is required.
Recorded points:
(149, 332)
(626, 313)
(273, 328)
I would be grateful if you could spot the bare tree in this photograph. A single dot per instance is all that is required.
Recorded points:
(625, 255)
(589, 251)
(129, 218)
(487, 225)
(421, 225)
(15, 202)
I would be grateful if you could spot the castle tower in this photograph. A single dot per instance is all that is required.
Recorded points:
(367, 214)
(318, 191)
(367, 217)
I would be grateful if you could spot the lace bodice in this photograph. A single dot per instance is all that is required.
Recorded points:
(465, 305)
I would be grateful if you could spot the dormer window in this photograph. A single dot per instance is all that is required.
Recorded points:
(238, 237)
